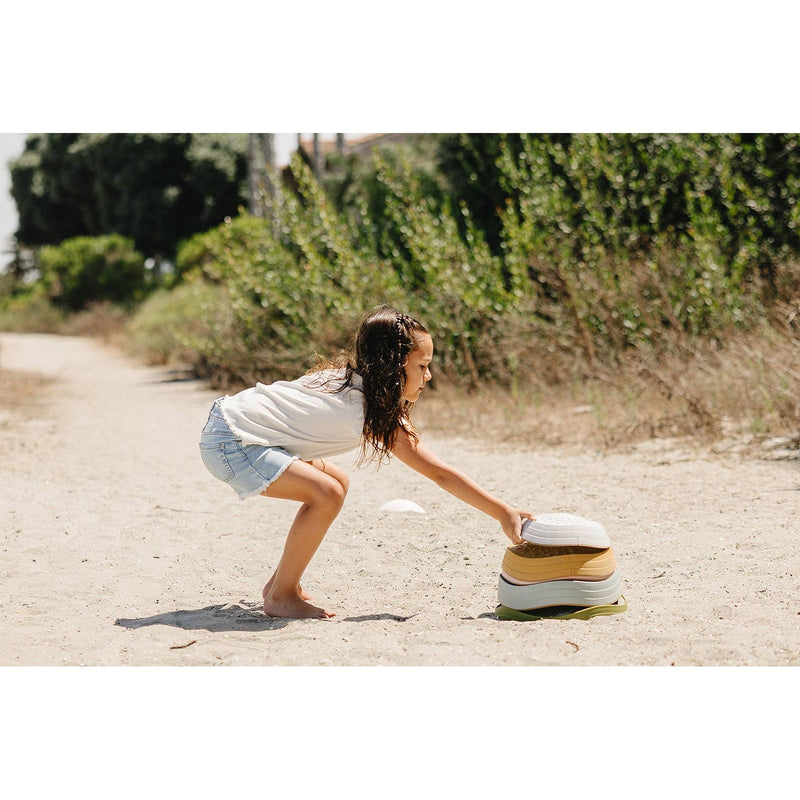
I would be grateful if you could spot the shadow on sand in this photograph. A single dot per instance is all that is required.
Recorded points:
(229, 617)
(232, 617)
(176, 376)
(371, 617)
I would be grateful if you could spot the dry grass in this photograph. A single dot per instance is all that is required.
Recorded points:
(743, 387)
(100, 320)
(103, 321)
(21, 391)
(746, 389)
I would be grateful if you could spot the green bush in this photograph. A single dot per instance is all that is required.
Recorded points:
(468, 162)
(182, 324)
(454, 284)
(604, 244)
(297, 287)
(85, 269)
(359, 195)
(610, 229)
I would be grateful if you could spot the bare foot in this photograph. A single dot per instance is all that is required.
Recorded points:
(295, 607)
(300, 591)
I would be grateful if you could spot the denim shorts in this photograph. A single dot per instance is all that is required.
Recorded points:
(247, 468)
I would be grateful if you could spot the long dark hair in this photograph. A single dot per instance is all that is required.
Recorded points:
(383, 341)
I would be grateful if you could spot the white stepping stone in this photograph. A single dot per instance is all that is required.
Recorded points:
(565, 529)
(559, 593)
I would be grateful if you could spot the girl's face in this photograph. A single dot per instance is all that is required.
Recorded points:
(417, 368)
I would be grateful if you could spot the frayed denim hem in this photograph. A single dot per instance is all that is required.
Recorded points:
(268, 483)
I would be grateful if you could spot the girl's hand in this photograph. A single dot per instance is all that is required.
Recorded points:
(511, 521)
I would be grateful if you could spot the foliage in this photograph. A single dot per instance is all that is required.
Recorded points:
(522, 254)
(297, 287)
(154, 188)
(468, 162)
(85, 269)
(455, 284)
(750, 186)
(358, 193)
(608, 226)
(182, 324)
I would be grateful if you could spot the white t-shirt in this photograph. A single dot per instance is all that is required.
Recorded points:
(304, 418)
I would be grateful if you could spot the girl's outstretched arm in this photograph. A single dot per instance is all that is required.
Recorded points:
(419, 458)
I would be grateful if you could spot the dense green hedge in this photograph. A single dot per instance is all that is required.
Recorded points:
(602, 243)
(93, 268)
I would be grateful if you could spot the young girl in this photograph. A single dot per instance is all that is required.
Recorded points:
(276, 440)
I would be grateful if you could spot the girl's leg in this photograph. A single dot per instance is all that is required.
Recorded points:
(328, 468)
(322, 496)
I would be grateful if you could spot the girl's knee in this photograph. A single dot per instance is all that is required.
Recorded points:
(330, 492)
(338, 474)
(334, 472)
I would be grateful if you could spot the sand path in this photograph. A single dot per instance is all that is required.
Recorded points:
(117, 548)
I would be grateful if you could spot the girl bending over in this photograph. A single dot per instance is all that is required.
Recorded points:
(277, 440)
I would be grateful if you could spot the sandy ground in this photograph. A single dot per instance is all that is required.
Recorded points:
(118, 548)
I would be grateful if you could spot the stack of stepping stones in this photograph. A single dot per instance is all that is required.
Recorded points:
(564, 569)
